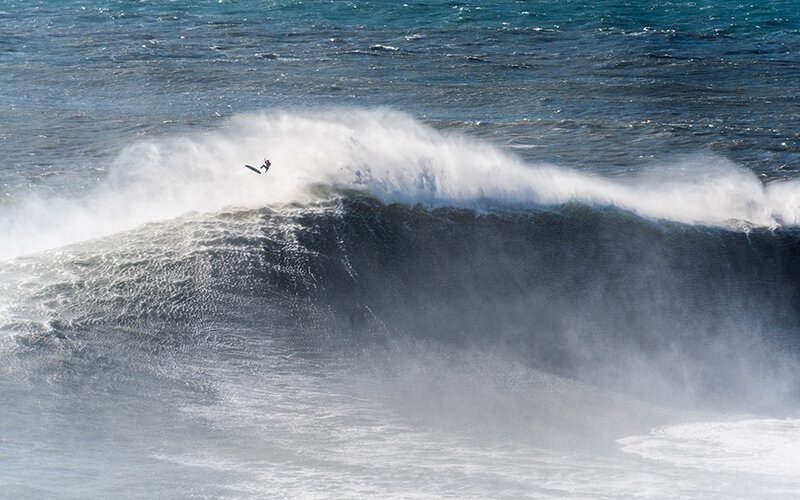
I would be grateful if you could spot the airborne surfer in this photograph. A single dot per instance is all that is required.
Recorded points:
(265, 166)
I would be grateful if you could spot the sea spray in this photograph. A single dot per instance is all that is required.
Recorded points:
(389, 155)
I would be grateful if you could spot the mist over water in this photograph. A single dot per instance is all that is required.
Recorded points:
(504, 251)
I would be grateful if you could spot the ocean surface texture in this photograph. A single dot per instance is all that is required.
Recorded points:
(518, 249)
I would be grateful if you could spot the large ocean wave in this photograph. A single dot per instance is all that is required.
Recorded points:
(694, 316)
(388, 295)
(388, 155)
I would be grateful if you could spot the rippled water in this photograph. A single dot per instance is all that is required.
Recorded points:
(606, 86)
(506, 249)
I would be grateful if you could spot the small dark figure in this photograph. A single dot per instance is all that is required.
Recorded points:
(266, 165)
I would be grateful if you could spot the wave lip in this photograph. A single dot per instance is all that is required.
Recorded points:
(400, 160)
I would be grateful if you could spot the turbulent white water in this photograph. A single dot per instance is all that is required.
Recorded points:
(759, 447)
(473, 426)
(202, 352)
(392, 156)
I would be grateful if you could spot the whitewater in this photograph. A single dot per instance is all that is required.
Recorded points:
(505, 250)
(392, 157)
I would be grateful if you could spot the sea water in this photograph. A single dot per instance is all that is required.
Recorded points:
(505, 249)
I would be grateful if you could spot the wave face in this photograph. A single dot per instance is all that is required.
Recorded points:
(591, 294)
(243, 349)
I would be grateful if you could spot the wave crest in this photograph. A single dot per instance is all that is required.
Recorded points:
(388, 154)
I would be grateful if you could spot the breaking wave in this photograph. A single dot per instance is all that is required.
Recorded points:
(388, 155)
(388, 295)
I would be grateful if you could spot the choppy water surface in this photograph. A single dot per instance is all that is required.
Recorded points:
(512, 249)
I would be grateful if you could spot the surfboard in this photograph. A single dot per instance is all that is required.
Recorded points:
(254, 169)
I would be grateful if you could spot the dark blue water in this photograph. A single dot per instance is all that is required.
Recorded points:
(505, 250)
(607, 86)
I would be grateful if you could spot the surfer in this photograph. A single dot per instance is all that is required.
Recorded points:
(265, 166)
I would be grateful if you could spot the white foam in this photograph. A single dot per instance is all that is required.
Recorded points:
(393, 156)
(770, 447)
